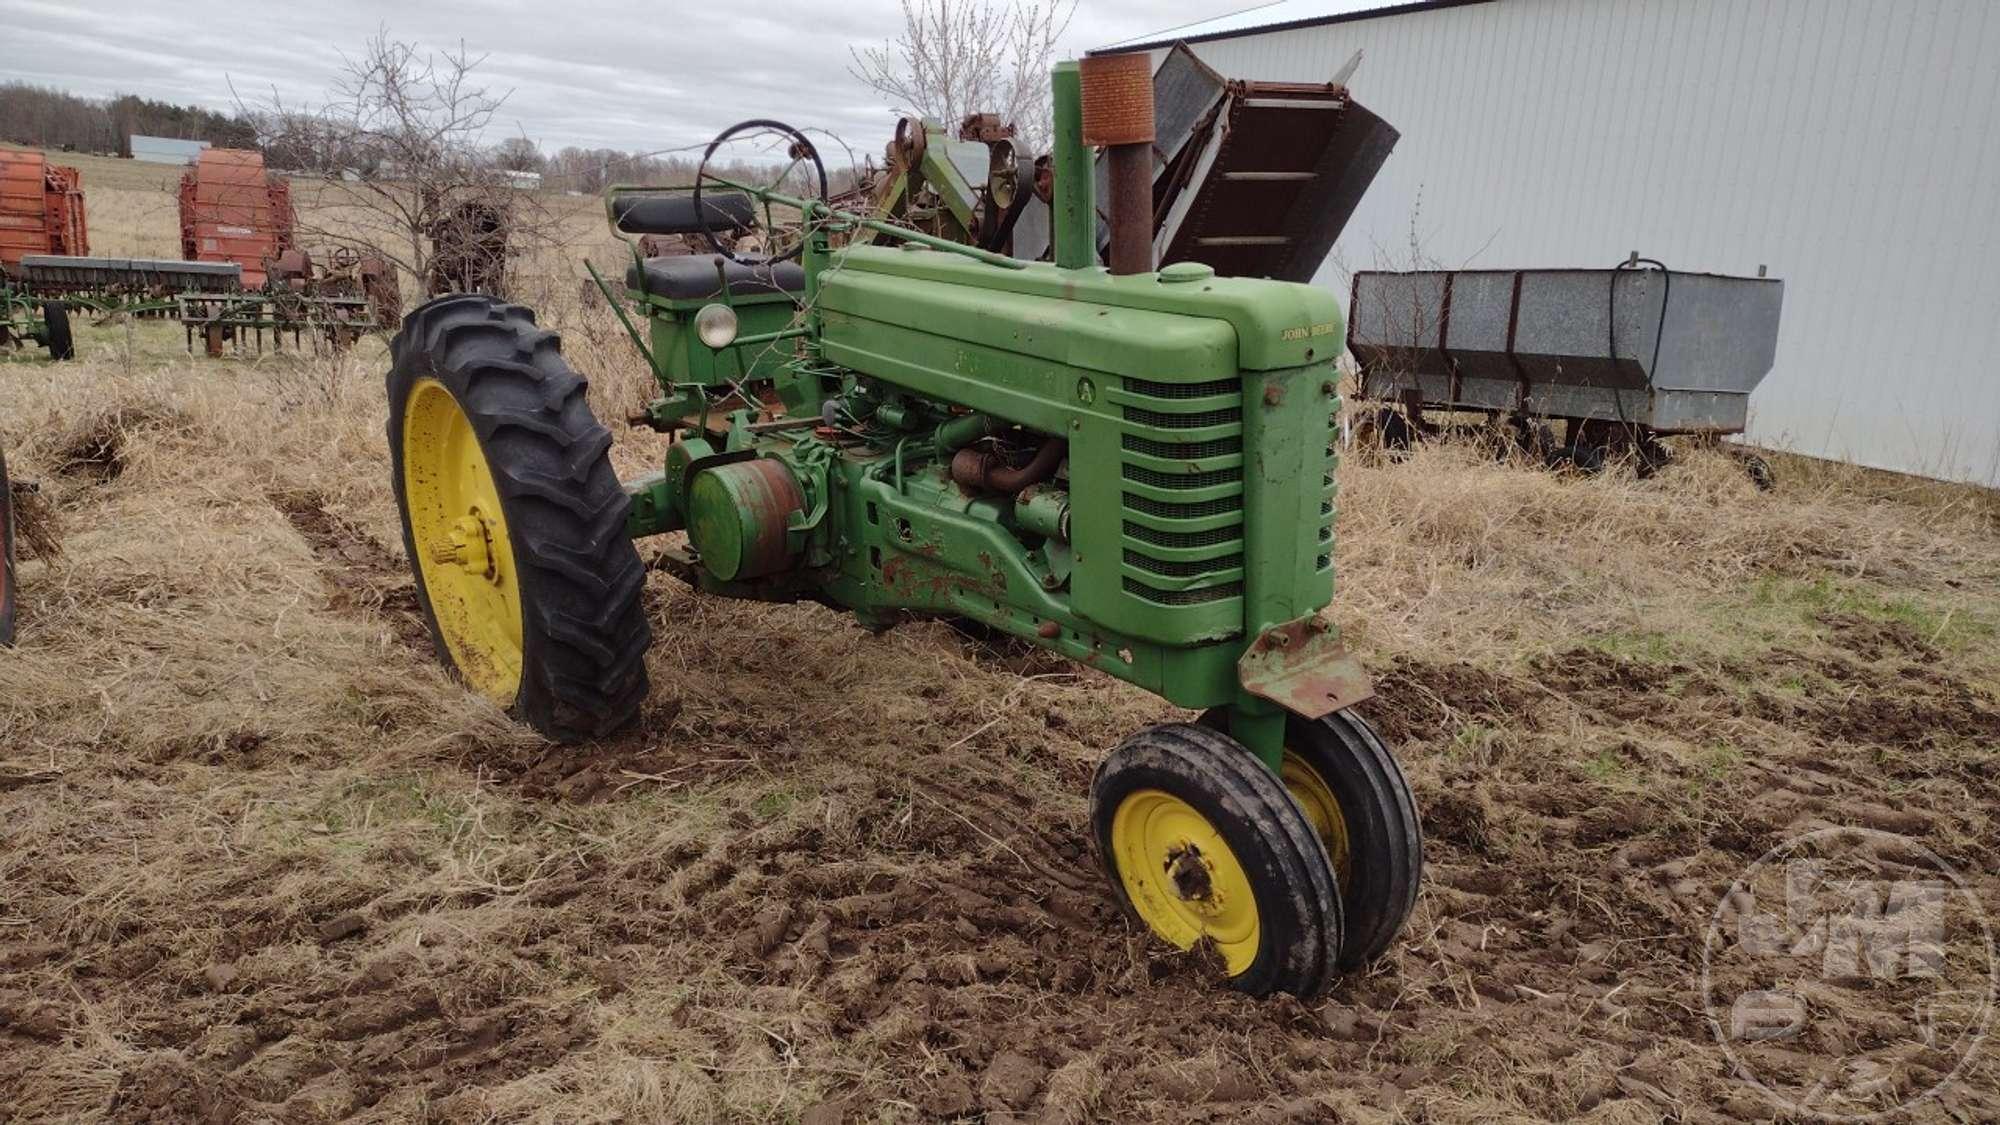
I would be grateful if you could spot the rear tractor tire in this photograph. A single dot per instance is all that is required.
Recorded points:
(1203, 845)
(1350, 788)
(513, 519)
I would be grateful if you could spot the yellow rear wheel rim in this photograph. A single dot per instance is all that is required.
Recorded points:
(1183, 880)
(1322, 809)
(460, 535)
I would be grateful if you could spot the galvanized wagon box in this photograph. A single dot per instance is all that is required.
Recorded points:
(1662, 350)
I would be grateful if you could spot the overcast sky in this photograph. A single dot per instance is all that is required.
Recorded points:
(626, 74)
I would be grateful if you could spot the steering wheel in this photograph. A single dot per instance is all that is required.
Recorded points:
(345, 258)
(800, 152)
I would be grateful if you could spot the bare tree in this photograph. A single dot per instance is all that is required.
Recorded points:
(519, 154)
(401, 143)
(956, 57)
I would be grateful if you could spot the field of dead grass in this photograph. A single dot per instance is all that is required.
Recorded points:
(262, 859)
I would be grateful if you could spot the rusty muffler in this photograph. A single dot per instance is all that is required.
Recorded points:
(1118, 114)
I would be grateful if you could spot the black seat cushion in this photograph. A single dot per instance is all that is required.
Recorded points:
(691, 277)
(675, 214)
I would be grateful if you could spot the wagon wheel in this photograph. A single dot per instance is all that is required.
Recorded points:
(1650, 455)
(513, 519)
(6, 555)
(1758, 470)
(1394, 429)
(62, 344)
(802, 177)
(1204, 846)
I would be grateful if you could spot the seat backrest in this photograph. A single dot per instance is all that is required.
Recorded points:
(664, 213)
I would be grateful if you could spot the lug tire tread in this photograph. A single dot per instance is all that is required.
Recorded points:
(1383, 888)
(584, 629)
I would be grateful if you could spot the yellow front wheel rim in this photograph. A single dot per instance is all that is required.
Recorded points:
(460, 534)
(1183, 879)
(1322, 809)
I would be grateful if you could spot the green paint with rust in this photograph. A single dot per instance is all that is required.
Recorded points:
(1198, 496)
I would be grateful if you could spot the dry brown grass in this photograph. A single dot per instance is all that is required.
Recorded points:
(263, 859)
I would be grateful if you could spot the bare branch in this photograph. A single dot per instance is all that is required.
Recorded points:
(958, 57)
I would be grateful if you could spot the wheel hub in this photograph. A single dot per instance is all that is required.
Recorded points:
(469, 546)
(1192, 876)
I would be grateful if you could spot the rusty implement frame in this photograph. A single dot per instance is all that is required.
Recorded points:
(220, 320)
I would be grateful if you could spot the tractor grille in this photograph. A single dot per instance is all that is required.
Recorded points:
(1166, 511)
(1151, 389)
(1328, 493)
(1183, 499)
(1141, 416)
(1182, 480)
(1220, 447)
(1158, 538)
(1182, 569)
(1184, 597)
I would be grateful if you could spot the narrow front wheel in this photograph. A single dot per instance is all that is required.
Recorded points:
(1204, 846)
(1350, 788)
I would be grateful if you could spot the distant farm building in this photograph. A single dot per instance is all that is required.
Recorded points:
(1846, 144)
(523, 181)
(164, 150)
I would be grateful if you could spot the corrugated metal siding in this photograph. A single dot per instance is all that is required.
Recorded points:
(1845, 143)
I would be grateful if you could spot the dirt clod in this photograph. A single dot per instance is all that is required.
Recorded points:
(341, 926)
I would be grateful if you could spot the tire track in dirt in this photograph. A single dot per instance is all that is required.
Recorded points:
(364, 579)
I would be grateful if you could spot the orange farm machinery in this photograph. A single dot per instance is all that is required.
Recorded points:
(232, 210)
(41, 208)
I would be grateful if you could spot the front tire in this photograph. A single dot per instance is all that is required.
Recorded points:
(513, 519)
(1355, 796)
(1202, 844)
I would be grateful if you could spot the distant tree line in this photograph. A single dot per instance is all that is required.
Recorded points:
(47, 118)
(298, 140)
(591, 170)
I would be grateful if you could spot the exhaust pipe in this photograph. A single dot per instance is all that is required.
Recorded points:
(1118, 114)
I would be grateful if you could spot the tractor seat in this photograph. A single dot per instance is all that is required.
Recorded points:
(691, 277)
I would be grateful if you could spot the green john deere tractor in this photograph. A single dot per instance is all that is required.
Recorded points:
(1131, 467)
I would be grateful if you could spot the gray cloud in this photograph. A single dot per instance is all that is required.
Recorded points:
(624, 74)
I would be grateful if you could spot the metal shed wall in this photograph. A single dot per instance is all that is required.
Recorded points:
(1848, 144)
(164, 150)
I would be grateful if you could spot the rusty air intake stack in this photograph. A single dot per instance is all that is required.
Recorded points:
(1118, 115)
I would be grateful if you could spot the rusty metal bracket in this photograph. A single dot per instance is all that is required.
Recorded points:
(1302, 667)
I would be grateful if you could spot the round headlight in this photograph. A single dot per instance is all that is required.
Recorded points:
(716, 325)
